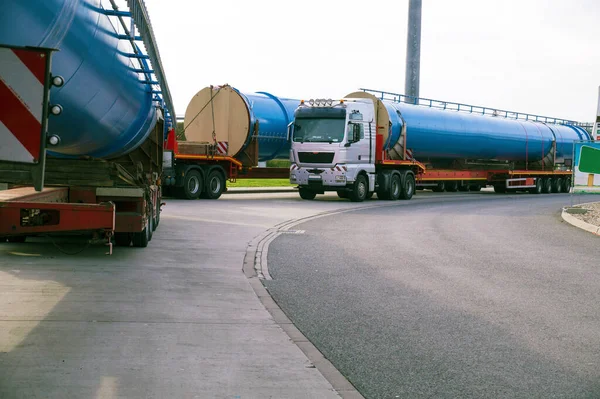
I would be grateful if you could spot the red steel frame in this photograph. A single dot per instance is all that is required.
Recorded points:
(424, 175)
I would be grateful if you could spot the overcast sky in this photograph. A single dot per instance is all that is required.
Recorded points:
(535, 56)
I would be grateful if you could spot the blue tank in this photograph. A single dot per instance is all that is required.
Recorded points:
(236, 117)
(107, 112)
(434, 134)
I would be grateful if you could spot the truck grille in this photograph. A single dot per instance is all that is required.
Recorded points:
(315, 157)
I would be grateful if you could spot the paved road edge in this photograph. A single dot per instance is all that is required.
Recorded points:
(255, 268)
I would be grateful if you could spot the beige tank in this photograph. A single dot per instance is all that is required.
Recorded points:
(218, 114)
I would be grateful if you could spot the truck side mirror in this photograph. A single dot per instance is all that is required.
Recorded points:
(290, 130)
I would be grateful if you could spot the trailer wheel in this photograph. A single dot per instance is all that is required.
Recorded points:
(556, 183)
(15, 239)
(439, 188)
(395, 187)
(192, 184)
(123, 239)
(463, 187)
(408, 188)
(566, 185)
(451, 186)
(500, 188)
(538, 187)
(215, 184)
(343, 194)
(307, 193)
(360, 189)
(546, 185)
(141, 238)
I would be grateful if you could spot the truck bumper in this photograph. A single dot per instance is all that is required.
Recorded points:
(336, 177)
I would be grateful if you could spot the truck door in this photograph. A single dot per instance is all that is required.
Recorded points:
(359, 151)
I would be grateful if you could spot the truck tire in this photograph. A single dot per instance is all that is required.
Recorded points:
(307, 193)
(408, 186)
(141, 238)
(123, 239)
(343, 194)
(383, 185)
(395, 187)
(150, 227)
(192, 184)
(546, 185)
(439, 188)
(451, 186)
(157, 214)
(556, 183)
(360, 189)
(215, 184)
(538, 187)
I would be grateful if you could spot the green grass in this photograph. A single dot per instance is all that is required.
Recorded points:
(261, 183)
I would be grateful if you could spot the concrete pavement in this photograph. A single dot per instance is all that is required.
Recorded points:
(177, 319)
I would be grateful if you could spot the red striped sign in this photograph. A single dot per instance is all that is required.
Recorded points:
(22, 76)
(222, 147)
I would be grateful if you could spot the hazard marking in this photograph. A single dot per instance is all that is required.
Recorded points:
(22, 74)
(222, 147)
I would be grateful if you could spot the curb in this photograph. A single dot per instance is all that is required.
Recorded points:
(255, 268)
(261, 190)
(579, 223)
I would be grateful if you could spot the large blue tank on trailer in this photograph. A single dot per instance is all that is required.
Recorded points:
(447, 135)
(107, 111)
(226, 117)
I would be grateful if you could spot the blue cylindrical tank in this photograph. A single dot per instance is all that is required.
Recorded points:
(107, 112)
(435, 134)
(223, 114)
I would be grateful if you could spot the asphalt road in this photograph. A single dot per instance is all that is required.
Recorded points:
(489, 297)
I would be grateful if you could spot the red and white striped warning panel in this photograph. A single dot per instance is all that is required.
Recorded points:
(22, 76)
(222, 147)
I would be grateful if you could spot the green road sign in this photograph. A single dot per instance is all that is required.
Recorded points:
(589, 161)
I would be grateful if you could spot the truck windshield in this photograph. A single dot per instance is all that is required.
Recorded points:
(317, 130)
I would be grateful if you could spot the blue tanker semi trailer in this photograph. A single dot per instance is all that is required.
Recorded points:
(227, 134)
(373, 142)
(108, 110)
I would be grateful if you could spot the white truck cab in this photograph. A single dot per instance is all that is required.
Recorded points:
(333, 148)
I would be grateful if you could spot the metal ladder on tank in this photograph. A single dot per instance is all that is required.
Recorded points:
(153, 72)
(473, 109)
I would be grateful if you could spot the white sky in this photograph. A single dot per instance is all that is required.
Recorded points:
(535, 56)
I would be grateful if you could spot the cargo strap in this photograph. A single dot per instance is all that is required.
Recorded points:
(213, 113)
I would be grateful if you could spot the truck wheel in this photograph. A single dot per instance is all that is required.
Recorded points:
(538, 187)
(463, 187)
(474, 187)
(150, 227)
(192, 184)
(123, 239)
(215, 184)
(360, 189)
(408, 188)
(439, 188)
(307, 193)
(395, 187)
(546, 185)
(343, 194)
(556, 183)
(452, 186)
